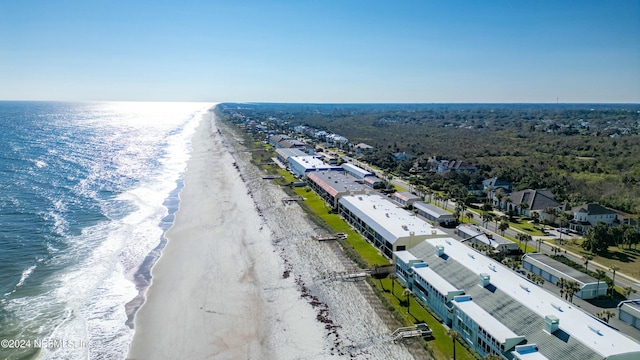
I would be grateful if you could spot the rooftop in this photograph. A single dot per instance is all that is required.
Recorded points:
(438, 283)
(631, 306)
(495, 240)
(387, 218)
(484, 319)
(405, 256)
(335, 182)
(430, 208)
(593, 209)
(561, 269)
(311, 163)
(288, 152)
(352, 168)
(521, 305)
(406, 196)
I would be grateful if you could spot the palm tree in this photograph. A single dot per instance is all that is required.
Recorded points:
(552, 212)
(600, 275)
(520, 237)
(526, 239)
(407, 293)
(587, 258)
(469, 215)
(536, 219)
(627, 291)
(563, 222)
(454, 335)
(613, 269)
(374, 271)
(486, 217)
(539, 241)
(573, 287)
(605, 315)
(393, 278)
(499, 195)
(503, 226)
(522, 206)
(610, 287)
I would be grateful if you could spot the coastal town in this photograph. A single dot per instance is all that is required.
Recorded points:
(506, 273)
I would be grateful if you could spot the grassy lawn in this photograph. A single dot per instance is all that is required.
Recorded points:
(369, 253)
(400, 188)
(441, 344)
(625, 259)
(526, 227)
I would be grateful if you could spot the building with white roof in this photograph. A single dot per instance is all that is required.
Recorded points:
(534, 323)
(301, 165)
(474, 234)
(405, 198)
(386, 225)
(492, 335)
(283, 154)
(433, 213)
(355, 171)
(552, 270)
(372, 182)
(331, 185)
(629, 312)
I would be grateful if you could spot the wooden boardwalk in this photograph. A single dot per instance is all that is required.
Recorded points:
(292, 198)
(411, 331)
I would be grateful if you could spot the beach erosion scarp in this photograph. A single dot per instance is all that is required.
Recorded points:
(241, 277)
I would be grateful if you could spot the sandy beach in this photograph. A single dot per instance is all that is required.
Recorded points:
(241, 278)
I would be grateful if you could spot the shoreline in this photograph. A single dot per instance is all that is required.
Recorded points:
(240, 276)
(142, 278)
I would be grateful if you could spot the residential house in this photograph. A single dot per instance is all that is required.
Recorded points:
(490, 188)
(587, 215)
(362, 149)
(446, 166)
(534, 200)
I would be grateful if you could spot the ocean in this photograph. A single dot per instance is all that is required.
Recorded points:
(87, 191)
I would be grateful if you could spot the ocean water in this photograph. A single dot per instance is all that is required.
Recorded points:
(87, 191)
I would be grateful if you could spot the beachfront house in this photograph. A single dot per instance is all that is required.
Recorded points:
(332, 185)
(383, 223)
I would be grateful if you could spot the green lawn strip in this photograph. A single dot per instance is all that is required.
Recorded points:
(630, 268)
(441, 344)
(400, 188)
(369, 254)
(527, 228)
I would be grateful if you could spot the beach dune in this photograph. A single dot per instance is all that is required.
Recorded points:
(210, 296)
(242, 278)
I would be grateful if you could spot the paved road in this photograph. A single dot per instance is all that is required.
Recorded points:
(622, 280)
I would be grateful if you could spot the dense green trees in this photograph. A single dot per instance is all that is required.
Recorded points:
(599, 237)
(581, 153)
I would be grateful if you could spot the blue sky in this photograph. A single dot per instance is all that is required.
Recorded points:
(321, 51)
